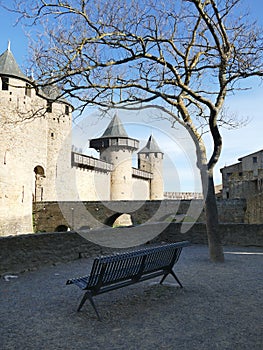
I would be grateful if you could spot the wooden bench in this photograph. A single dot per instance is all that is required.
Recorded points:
(126, 268)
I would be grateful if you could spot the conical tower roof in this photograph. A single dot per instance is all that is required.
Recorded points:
(114, 135)
(9, 67)
(151, 146)
(115, 128)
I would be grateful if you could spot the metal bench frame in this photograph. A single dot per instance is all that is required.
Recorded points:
(123, 269)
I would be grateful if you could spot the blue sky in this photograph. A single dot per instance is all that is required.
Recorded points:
(179, 168)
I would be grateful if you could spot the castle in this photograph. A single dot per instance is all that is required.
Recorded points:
(37, 162)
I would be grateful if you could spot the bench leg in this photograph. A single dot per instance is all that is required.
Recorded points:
(175, 277)
(86, 296)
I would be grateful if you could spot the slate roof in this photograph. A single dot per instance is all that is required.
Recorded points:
(9, 67)
(151, 147)
(115, 128)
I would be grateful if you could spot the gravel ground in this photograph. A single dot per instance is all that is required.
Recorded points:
(220, 307)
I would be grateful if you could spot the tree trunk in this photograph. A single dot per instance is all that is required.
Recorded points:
(213, 235)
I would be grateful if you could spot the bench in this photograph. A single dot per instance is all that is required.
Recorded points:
(123, 269)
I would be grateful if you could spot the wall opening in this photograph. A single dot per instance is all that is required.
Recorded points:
(28, 90)
(119, 220)
(66, 109)
(39, 184)
(5, 83)
(61, 228)
(49, 107)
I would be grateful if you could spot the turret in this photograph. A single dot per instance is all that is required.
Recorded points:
(33, 128)
(9, 67)
(150, 159)
(116, 147)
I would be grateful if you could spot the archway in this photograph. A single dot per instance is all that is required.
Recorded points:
(119, 219)
(39, 183)
(61, 228)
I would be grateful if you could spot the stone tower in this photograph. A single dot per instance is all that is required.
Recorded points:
(33, 126)
(116, 147)
(150, 159)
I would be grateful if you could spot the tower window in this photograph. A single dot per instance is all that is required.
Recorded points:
(67, 110)
(49, 107)
(5, 83)
(52, 134)
(255, 160)
(28, 90)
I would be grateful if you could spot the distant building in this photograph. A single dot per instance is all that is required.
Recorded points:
(37, 162)
(243, 179)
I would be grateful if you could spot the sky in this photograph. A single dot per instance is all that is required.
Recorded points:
(180, 173)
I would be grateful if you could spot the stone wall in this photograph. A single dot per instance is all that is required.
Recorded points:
(254, 213)
(30, 139)
(24, 252)
(50, 215)
(231, 210)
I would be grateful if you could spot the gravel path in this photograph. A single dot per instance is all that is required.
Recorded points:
(220, 307)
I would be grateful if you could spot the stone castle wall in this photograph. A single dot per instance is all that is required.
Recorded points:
(140, 189)
(37, 167)
(35, 152)
(29, 139)
(25, 252)
(254, 213)
(51, 215)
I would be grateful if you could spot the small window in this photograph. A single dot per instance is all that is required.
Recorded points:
(5, 83)
(28, 90)
(240, 173)
(52, 134)
(255, 160)
(67, 110)
(49, 107)
(5, 157)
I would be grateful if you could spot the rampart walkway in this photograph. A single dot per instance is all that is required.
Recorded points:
(219, 308)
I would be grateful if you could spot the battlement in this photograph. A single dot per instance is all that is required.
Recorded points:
(141, 174)
(84, 161)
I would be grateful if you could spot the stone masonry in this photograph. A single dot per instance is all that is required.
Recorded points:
(37, 162)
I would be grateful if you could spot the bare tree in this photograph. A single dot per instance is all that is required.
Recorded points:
(182, 57)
